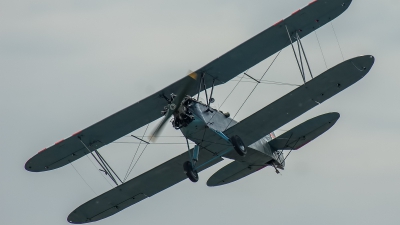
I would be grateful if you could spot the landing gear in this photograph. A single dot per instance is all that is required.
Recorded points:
(190, 172)
(190, 167)
(238, 145)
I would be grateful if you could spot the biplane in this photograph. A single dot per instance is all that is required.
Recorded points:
(216, 135)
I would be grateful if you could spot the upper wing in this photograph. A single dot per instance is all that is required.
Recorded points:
(137, 189)
(273, 39)
(104, 132)
(224, 68)
(301, 99)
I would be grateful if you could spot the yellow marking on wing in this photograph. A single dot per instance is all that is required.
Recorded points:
(193, 75)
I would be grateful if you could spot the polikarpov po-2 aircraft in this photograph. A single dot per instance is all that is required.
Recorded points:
(215, 134)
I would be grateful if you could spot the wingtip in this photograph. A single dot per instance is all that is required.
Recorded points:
(363, 63)
(214, 181)
(29, 167)
(34, 164)
(75, 218)
(335, 115)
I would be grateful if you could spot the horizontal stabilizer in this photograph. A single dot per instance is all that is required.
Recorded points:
(305, 132)
(233, 172)
(241, 167)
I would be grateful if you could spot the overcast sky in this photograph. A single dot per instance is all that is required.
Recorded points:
(68, 64)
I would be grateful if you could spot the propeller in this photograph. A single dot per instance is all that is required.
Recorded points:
(174, 105)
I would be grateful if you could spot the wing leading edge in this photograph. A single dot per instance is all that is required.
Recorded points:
(268, 42)
(302, 99)
(137, 189)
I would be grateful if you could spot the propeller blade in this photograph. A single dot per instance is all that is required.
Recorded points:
(158, 129)
(174, 106)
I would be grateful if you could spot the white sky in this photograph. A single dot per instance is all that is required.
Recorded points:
(68, 64)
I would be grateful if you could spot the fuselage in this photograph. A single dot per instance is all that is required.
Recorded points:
(207, 120)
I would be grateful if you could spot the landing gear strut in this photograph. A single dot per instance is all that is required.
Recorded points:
(190, 167)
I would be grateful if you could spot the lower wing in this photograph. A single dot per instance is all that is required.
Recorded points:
(137, 189)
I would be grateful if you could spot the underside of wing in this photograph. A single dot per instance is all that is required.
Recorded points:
(273, 39)
(137, 189)
(104, 131)
(302, 99)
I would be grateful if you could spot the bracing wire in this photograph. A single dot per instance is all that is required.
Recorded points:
(147, 136)
(291, 149)
(270, 65)
(133, 158)
(253, 89)
(137, 149)
(158, 143)
(240, 80)
(83, 178)
(137, 160)
(219, 108)
(323, 56)
(167, 143)
(337, 40)
(270, 82)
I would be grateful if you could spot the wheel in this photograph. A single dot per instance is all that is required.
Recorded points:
(193, 176)
(190, 172)
(238, 145)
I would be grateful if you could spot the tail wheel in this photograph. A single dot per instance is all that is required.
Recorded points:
(190, 172)
(238, 145)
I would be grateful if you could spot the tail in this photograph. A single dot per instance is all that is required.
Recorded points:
(304, 133)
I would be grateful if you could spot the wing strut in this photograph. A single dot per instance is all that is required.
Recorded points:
(202, 84)
(299, 60)
(105, 167)
(304, 53)
(211, 100)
